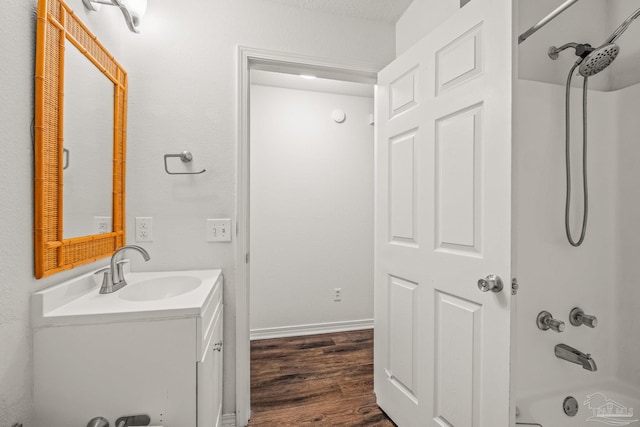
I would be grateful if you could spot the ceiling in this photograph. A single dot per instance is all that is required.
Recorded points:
(373, 10)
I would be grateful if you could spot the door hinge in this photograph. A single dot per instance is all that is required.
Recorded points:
(246, 258)
(514, 286)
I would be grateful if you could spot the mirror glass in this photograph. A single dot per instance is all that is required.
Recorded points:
(88, 147)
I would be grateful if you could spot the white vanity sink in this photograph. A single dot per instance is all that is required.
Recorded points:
(152, 347)
(159, 288)
(148, 295)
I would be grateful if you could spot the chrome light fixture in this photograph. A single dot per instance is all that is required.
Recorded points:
(132, 10)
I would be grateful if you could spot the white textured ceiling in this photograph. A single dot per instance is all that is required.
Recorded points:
(374, 10)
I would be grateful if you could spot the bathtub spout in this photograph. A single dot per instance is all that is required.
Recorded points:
(572, 355)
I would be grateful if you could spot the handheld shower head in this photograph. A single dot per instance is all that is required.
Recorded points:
(601, 57)
(598, 59)
(592, 60)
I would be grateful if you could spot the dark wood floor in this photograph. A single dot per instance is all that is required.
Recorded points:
(321, 380)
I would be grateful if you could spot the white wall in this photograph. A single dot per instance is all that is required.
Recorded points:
(182, 95)
(17, 50)
(553, 275)
(311, 208)
(627, 279)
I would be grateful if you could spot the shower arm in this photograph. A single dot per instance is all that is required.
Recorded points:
(622, 28)
(555, 51)
(582, 50)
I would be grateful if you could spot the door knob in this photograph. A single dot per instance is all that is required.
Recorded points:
(492, 283)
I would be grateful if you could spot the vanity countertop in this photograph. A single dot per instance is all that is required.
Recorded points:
(77, 300)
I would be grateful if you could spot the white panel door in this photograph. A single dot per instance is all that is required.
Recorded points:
(443, 222)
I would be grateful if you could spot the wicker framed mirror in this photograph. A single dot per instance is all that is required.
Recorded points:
(58, 28)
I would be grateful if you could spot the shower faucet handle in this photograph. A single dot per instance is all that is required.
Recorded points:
(578, 318)
(545, 321)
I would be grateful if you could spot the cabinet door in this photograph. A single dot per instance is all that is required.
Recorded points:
(210, 379)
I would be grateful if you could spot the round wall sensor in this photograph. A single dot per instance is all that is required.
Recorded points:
(338, 116)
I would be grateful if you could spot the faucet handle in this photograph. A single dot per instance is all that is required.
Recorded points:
(120, 265)
(102, 270)
(545, 321)
(578, 318)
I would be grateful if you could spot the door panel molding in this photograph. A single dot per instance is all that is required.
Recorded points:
(458, 360)
(403, 188)
(458, 182)
(460, 60)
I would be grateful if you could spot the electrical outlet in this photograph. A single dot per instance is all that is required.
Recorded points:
(144, 229)
(337, 294)
(218, 230)
(102, 224)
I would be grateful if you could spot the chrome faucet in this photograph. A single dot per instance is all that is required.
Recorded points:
(572, 355)
(113, 279)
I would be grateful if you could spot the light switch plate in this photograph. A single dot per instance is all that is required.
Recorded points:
(218, 230)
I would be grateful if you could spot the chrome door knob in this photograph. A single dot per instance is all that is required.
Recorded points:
(492, 283)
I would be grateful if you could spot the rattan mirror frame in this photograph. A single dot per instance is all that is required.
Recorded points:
(57, 23)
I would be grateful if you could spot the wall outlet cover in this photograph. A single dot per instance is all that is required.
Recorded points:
(102, 224)
(144, 229)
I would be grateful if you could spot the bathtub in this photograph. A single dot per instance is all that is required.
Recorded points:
(606, 404)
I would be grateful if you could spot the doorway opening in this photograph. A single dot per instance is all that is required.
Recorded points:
(262, 77)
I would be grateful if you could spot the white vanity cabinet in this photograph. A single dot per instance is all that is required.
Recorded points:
(210, 366)
(166, 363)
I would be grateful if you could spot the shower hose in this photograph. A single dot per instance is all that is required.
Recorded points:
(585, 189)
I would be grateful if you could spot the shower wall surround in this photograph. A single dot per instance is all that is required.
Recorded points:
(554, 276)
(627, 279)
(601, 276)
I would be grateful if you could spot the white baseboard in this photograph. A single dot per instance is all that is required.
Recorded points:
(317, 328)
(228, 420)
